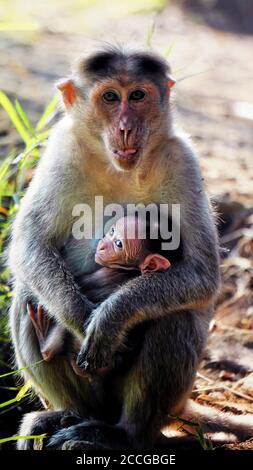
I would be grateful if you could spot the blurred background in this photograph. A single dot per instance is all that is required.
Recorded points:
(209, 44)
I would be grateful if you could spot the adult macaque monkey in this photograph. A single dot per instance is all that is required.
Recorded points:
(116, 140)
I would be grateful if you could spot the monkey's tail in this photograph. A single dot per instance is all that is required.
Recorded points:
(212, 420)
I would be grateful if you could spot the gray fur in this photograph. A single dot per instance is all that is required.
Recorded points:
(172, 309)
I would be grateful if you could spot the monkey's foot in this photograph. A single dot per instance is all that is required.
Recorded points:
(80, 445)
(90, 435)
(44, 422)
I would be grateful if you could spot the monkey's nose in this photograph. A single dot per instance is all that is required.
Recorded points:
(125, 135)
(102, 245)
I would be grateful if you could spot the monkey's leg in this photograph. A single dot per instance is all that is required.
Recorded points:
(55, 381)
(156, 386)
(44, 325)
(91, 434)
(161, 379)
(52, 337)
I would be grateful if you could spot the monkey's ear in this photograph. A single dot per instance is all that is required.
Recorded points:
(171, 82)
(68, 91)
(154, 262)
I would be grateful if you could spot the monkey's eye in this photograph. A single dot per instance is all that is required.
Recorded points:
(137, 95)
(119, 244)
(110, 96)
(112, 231)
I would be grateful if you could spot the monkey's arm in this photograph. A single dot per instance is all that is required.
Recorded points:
(40, 265)
(99, 285)
(40, 229)
(190, 283)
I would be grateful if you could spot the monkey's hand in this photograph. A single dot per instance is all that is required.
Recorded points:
(98, 348)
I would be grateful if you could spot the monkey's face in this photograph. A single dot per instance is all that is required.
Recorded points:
(116, 249)
(129, 117)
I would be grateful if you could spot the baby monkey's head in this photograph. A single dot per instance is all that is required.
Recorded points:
(127, 245)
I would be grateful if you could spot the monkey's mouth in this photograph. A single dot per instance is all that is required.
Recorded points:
(127, 154)
(99, 259)
(126, 157)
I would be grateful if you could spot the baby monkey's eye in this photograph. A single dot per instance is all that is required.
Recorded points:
(112, 231)
(118, 243)
(110, 96)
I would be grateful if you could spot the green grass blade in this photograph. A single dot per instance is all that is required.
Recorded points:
(9, 388)
(184, 421)
(150, 34)
(24, 118)
(205, 443)
(22, 158)
(50, 108)
(13, 115)
(23, 391)
(16, 438)
(191, 75)
(20, 370)
(5, 166)
(13, 400)
(170, 49)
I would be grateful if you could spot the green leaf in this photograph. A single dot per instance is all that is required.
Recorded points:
(13, 400)
(23, 391)
(12, 113)
(24, 118)
(22, 368)
(16, 438)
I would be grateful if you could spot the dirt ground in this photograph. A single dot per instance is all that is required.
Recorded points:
(216, 108)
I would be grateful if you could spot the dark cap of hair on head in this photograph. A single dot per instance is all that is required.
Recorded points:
(135, 64)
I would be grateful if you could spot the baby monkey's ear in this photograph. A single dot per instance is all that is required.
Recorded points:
(154, 262)
(68, 90)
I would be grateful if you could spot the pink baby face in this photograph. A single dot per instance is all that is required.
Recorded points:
(122, 248)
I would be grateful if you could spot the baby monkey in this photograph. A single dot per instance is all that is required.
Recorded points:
(123, 254)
